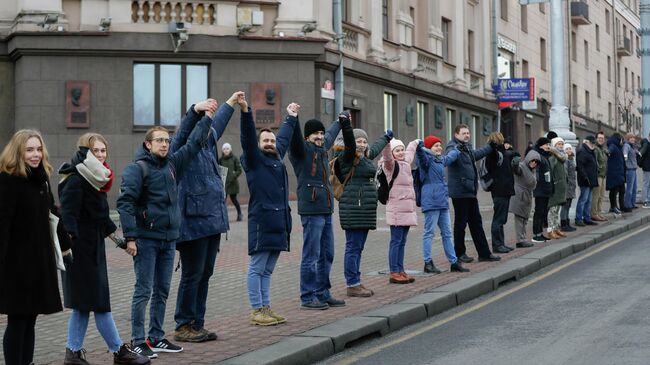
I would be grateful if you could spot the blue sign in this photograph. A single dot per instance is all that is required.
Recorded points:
(514, 89)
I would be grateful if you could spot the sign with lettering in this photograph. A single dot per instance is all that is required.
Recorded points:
(266, 104)
(77, 104)
(514, 89)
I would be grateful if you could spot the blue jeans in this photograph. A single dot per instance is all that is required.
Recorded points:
(197, 265)
(78, 324)
(355, 239)
(153, 266)
(317, 258)
(646, 187)
(258, 280)
(583, 207)
(630, 188)
(398, 236)
(441, 217)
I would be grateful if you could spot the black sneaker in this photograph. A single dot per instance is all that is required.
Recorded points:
(163, 346)
(144, 350)
(333, 302)
(315, 305)
(126, 356)
(524, 244)
(538, 239)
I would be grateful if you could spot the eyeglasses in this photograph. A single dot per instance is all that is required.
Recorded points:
(162, 140)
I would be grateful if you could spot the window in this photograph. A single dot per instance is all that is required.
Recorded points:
(638, 82)
(609, 68)
(384, 18)
(451, 123)
(574, 95)
(524, 18)
(587, 103)
(542, 54)
(586, 54)
(345, 10)
(574, 46)
(446, 41)
(542, 8)
(597, 38)
(476, 121)
(470, 49)
(631, 44)
(626, 84)
(632, 78)
(422, 118)
(598, 83)
(389, 110)
(524, 69)
(609, 112)
(504, 10)
(618, 74)
(162, 92)
(607, 22)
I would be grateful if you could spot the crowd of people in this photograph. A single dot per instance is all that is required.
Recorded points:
(173, 198)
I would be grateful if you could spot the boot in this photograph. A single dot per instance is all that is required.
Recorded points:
(566, 226)
(75, 357)
(458, 267)
(240, 217)
(126, 356)
(408, 277)
(559, 233)
(552, 235)
(359, 291)
(397, 278)
(430, 268)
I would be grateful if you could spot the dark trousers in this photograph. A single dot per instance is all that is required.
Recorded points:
(620, 190)
(466, 212)
(197, 265)
(541, 213)
(18, 341)
(499, 219)
(233, 199)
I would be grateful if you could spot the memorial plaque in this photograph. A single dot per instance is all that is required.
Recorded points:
(77, 104)
(266, 104)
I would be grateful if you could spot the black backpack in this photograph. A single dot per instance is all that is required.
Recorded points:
(383, 187)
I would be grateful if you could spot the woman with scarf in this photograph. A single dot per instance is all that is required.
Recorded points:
(84, 211)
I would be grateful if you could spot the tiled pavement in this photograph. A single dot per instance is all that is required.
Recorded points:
(228, 308)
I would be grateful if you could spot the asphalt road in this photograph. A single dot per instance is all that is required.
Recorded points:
(589, 309)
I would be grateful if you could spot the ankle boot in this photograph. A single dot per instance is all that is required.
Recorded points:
(240, 217)
(75, 357)
(566, 226)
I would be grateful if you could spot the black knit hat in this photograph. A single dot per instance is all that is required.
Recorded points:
(542, 141)
(551, 135)
(313, 126)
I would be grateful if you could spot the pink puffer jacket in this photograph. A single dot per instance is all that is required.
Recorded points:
(400, 208)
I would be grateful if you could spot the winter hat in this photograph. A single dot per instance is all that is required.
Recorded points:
(226, 146)
(542, 141)
(394, 143)
(429, 141)
(507, 140)
(591, 139)
(555, 141)
(568, 147)
(313, 126)
(360, 133)
(551, 135)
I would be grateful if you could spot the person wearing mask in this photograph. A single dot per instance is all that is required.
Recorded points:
(543, 189)
(571, 184)
(229, 160)
(599, 192)
(587, 174)
(463, 186)
(630, 154)
(525, 180)
(29, 283)
(615, 181)
(85, 180)
(435, 201)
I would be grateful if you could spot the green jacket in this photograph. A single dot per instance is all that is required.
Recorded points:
(234, 170)
(601, 157)
(558, 172)
(358, 204)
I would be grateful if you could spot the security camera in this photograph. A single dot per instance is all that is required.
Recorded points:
(183, 35)
(105, 24)
(48, 20)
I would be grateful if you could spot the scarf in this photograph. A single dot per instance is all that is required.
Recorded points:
(98, 175)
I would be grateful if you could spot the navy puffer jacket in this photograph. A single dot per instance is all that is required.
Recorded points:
(462, 174)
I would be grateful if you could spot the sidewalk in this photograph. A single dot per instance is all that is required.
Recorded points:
(228, 308)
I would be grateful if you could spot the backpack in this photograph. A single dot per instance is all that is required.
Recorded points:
(383, 187)
(335, 177)
(485, 179)
(417, 186)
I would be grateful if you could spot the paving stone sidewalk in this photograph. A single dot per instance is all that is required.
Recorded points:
(228, 308)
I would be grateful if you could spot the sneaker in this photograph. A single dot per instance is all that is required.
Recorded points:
(646, 205)
(209, 335)
(163, 346)
(524, 244)
(274, 315)
(580, 223)
(126, 356)
(333, 302)
(615, 211)
(260, 317)
(314, 305)
(358, 291)
(538, 239)
(75, 357)
(591, 223)
(187, 333)
(144, 350)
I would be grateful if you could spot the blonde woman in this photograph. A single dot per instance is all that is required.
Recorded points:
(28, 274)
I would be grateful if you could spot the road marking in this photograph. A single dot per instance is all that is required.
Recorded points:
(354, 358)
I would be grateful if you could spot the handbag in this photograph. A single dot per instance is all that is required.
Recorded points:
(58, 255)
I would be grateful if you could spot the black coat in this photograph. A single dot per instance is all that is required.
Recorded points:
(544, 187)
(587, 167)
(28, 274)
(85, 214)
(503, 184)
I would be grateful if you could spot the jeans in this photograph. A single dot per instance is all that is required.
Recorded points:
(153, 266)
(317, 258)
(540, 215)
(564, 211)
(466, 212)
(197, 265)
(355, 239)
(499, 219)
(646, 187)
(630, 188)
(18, 340)
(78, 324)
(258, 279)
(583, 207)
(398, 236)
(441, 216)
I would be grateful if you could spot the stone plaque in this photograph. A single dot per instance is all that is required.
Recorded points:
(77, 104)
(266, 104)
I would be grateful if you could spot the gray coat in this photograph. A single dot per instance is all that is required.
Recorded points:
(571, 182)
(525, 182)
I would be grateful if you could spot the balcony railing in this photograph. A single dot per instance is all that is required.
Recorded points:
(624, 46)
(429, 64)
(351, 39)
(580, 12)
(200, 12)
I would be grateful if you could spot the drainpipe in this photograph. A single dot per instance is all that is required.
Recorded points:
(645, 65)
(338, 77)
(495, 59)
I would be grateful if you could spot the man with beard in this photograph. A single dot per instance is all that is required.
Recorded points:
(269, 217)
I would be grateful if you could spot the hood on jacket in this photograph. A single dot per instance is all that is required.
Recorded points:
(144, 154)
(613, 140)
(532, 155)
(70, 167)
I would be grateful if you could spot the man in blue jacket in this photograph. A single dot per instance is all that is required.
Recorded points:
(151, 219)
(203, 207)
(269, 216)
(463, 185)
(308, 155)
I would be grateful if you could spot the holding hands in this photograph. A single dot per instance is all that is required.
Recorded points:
(235, 98)
(209, 106)
(293, 109)
(389, 134)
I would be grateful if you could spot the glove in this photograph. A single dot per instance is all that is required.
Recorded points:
(493, 145)
(344, 119)
(420, 143)
(389, 134)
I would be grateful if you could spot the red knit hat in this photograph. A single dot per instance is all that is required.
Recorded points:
(429, 141)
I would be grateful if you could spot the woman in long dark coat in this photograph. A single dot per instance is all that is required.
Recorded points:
(229, 160)
(28, 271)
(84, 209)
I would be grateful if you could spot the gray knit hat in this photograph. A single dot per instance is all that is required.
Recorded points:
(360, 133)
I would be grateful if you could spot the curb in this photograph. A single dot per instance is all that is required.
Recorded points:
(322, 342)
